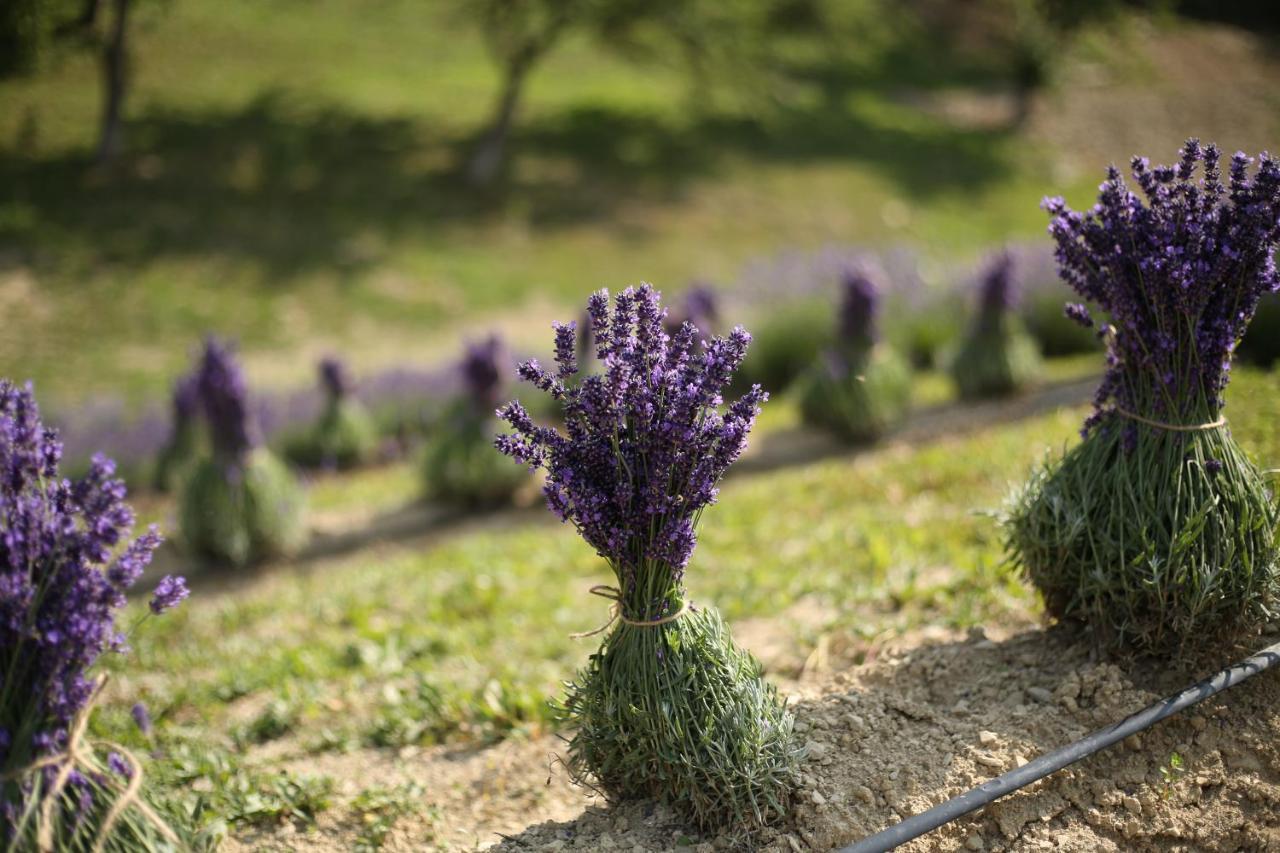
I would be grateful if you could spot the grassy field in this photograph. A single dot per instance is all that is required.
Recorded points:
(461, 639)
(295, 185)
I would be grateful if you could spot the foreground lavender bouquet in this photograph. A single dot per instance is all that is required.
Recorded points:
(996, 357)
(460, 466)
(240, 504)
(344, 435)
(668, 707)
(183, 447)
(1156, 529)
(66, 562)
(859, 389)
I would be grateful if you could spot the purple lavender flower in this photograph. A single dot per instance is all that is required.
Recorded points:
(335, 378)
(1180, 269)
(647, 440)
(998, 290)
(481, 373)
(700, 307)
(117, 764)
(65, 564)
(1079, 312)
(141, 717)
(169, 593)
(224, 396)
(859, 309)
(186, 400)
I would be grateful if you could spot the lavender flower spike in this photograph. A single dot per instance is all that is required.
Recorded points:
(169, 593)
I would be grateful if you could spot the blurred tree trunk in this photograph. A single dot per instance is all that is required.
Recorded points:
(490, 154)
(115, 74)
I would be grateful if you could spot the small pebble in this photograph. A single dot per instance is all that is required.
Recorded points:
(987, 738)
(986, 759)
(1040, 694)
(974, 842)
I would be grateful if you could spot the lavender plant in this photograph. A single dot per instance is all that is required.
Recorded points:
(240, 504)
(460, 467)
(66, 562)
(1157, 530)
(344, 435)
(996, 356)
(859, 389)
(182, 449)
(668, 707)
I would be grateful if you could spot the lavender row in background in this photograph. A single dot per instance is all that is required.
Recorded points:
(401, 399)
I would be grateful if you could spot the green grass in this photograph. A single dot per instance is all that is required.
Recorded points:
(295, 186)
(463, 640)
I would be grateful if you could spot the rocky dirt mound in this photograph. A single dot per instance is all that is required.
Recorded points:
(937, 714)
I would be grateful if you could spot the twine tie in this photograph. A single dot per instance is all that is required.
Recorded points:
(615, 613)
(1220, 422)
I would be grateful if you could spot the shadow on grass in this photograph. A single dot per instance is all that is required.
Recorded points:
(292, 190)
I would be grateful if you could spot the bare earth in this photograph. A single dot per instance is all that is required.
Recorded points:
(928, 717)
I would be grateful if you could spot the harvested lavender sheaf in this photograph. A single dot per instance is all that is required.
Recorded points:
(240, 504)
(183, 447)
(997, 357)
(1156, 529)
(66, 562)
(459, 466)
(668, 707)
(859, 389)
(343, 434)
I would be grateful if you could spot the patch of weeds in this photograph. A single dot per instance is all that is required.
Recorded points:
(1170, 773)
(379, 807)
(259, 799)
(273, 722)
(413, 716)
(505, 708)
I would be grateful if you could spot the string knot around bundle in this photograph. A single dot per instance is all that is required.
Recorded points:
(612, 593)
(78, 756)
(1204, 427)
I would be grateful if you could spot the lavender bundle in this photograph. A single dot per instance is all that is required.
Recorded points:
(66, 562)
(344, 435)
(996, 357)
(460, 467)
(240, 504)
(668, 707)
(859, 388)
(1156, 529)
(183, 447)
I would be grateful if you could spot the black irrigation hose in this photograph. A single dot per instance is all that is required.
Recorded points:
(1032, 771)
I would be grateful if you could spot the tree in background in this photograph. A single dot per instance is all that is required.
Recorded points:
(708, 35)
(31, 31)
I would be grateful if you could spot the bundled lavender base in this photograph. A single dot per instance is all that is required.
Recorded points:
(1167, 546)
(459, 466)
(679, 713)
(242, 513)
(861, 400)
(995, 363)
(344, 436)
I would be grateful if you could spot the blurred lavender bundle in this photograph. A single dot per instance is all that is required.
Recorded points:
(459, 465)
(1040, 303)
(240, 504)
(1156, 529)
(699, 306)
(859, 388)
(996, 356)
(668, 707)
(344, 434)
(66, 562)
(183, 447)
